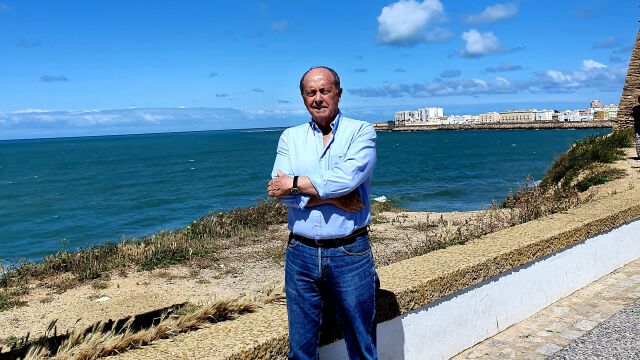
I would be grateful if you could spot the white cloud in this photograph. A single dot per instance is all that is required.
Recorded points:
(405, 23)
(252, 114)
(95, 119)
(28, 111)
(592, 64)
(35, 123)
(592, 74)
(153, 118)
(440, 87)
(479, 44)
(494, 13)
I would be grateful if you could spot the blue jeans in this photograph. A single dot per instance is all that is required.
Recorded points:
(343, 279)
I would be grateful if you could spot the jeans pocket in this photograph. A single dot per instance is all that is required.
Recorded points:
(359, 247)
(292, 243)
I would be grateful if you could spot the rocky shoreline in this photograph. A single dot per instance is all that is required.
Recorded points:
(499, 126)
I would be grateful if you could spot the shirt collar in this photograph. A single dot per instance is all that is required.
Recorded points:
(334, 123)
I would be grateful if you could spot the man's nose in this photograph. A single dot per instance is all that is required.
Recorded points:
(317, 97)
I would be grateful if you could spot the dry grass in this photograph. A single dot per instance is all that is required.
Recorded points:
(100, 340)
(98, 343)
(525, 204)
(11, 296)
(440, 233)
(200, 240)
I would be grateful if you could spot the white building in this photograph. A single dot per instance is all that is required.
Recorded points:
(407, 117)
(543, 115)
(431, 113)
(461, 119)
(567, 115)
(612, 111)
(585, 115)
(604, 112)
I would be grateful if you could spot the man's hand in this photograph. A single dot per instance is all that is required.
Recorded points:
(280, 186)
(350, 202)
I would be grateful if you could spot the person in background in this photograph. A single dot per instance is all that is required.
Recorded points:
(635, 112)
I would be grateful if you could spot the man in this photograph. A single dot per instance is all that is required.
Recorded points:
(323, 173)
(636, 125)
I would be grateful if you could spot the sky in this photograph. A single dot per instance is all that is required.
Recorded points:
(76, 68)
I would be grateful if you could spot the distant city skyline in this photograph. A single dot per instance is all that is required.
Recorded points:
(83, 68)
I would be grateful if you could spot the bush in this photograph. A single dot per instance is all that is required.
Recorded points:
(598, 178)
(162, 249)
(584, 154)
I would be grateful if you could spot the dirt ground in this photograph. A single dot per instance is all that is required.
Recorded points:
(245, 271)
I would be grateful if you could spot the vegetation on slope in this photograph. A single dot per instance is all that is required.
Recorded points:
(583, 166)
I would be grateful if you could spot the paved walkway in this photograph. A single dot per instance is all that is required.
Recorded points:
(566, 321)
(616, 338)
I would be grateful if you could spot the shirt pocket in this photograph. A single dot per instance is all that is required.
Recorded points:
(337, 159)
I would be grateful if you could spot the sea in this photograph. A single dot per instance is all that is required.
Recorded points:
(70, 193)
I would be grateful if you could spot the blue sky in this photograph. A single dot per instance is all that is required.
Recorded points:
(72, 68)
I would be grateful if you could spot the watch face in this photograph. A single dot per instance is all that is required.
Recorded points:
(295, 191)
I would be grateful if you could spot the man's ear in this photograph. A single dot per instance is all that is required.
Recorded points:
(339, 93)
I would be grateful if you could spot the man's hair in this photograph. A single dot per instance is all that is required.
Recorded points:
(336, 78)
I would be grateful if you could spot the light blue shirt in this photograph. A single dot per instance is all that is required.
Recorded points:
(344, 165)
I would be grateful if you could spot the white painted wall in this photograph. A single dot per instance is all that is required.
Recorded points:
(445, 328)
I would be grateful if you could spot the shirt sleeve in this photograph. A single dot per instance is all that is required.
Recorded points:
(356, 168)
(283, 163)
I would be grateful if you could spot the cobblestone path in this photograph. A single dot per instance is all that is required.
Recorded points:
(555, 327)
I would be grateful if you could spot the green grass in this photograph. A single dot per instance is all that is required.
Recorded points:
(583, 155)
(598, 177)
(387, 206)
(575, 171)
(201, 238)
(10, 298)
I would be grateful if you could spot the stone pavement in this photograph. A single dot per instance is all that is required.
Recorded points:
(555, 327)
(616, 338)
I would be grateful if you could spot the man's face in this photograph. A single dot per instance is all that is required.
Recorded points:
(321, 96)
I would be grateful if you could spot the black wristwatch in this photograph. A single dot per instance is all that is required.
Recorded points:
(294, 189)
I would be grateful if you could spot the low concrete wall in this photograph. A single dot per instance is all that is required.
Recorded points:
(450, 325)
(447, 300)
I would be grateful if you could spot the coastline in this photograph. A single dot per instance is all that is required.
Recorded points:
(246, 268)
(129, 293)
(548, 125)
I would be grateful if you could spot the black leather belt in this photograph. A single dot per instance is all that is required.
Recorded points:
(330, 243)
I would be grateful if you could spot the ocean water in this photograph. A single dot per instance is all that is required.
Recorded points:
(69, 193)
